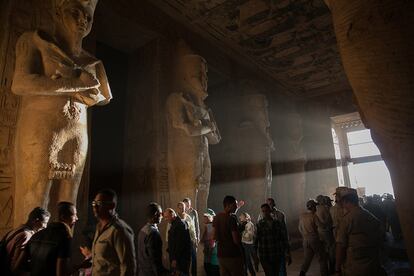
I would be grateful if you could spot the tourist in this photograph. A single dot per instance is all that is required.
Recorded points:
(309, 228)
(392, 217)
(16, 240)
(49, 250)
(373, 204)
(113, 248)
(211, 263)
(150, 244)
(194, 216)
(248, 233)
(358, 239)
(337, 212)
(226, 233)
(325, 229)
(191, 228)
(275, 212)
(280, 216)
(179, 244)
(271, 242)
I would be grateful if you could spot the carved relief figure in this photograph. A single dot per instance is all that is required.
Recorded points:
(252, 143)
(57, 81)
(191, 128)
(293, 152)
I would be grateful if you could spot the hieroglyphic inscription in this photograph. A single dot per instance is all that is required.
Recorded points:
(22, 16)
(163, 188)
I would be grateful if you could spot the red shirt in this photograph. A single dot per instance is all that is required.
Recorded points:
(224, 224)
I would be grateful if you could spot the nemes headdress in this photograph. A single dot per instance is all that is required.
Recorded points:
(86, 3)
(185, 53)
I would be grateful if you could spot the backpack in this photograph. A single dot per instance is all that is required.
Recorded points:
(4, 256)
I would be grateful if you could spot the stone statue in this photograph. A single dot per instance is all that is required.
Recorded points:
(191, 128)
(252, 144)
(57, 81)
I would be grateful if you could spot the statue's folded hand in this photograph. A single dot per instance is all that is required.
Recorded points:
(89, 97)
(212, 126)
(88, 81)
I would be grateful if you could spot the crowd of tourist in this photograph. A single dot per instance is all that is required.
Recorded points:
(348, 237)
(345, 237)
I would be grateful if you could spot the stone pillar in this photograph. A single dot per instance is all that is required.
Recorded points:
(375, 40)
(145, 176)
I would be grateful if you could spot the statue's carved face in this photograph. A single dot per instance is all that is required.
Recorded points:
(198, 77)
(76, 18)
(203, 75)
(192, 73)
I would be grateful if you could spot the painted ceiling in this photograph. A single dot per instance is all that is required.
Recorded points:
(291, 40)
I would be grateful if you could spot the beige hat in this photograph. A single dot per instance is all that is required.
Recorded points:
(349, 191)
(343, 191)
(340, 190)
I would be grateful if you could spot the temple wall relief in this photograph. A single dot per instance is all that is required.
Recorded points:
(16, 17)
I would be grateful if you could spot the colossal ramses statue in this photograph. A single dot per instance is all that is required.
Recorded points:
(57, 81)
(191, 128)
(253, 144)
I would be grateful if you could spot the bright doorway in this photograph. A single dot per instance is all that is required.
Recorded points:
(359, 162)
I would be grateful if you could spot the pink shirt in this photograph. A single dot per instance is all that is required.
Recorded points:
(18, 242)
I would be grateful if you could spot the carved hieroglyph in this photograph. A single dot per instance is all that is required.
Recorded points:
(16, 17)
(191, 128)
(57, 81)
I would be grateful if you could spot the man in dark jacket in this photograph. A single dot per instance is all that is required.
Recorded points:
(49, 250)
(150, 244)
(179, 244)
(16, 240)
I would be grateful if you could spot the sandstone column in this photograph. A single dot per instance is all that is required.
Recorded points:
(376, 42)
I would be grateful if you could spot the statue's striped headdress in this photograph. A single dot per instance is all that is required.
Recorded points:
(88, 3)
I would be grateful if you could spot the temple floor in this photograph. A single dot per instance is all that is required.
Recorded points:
(395, 261)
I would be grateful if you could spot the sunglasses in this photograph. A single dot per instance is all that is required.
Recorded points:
(99, 203)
